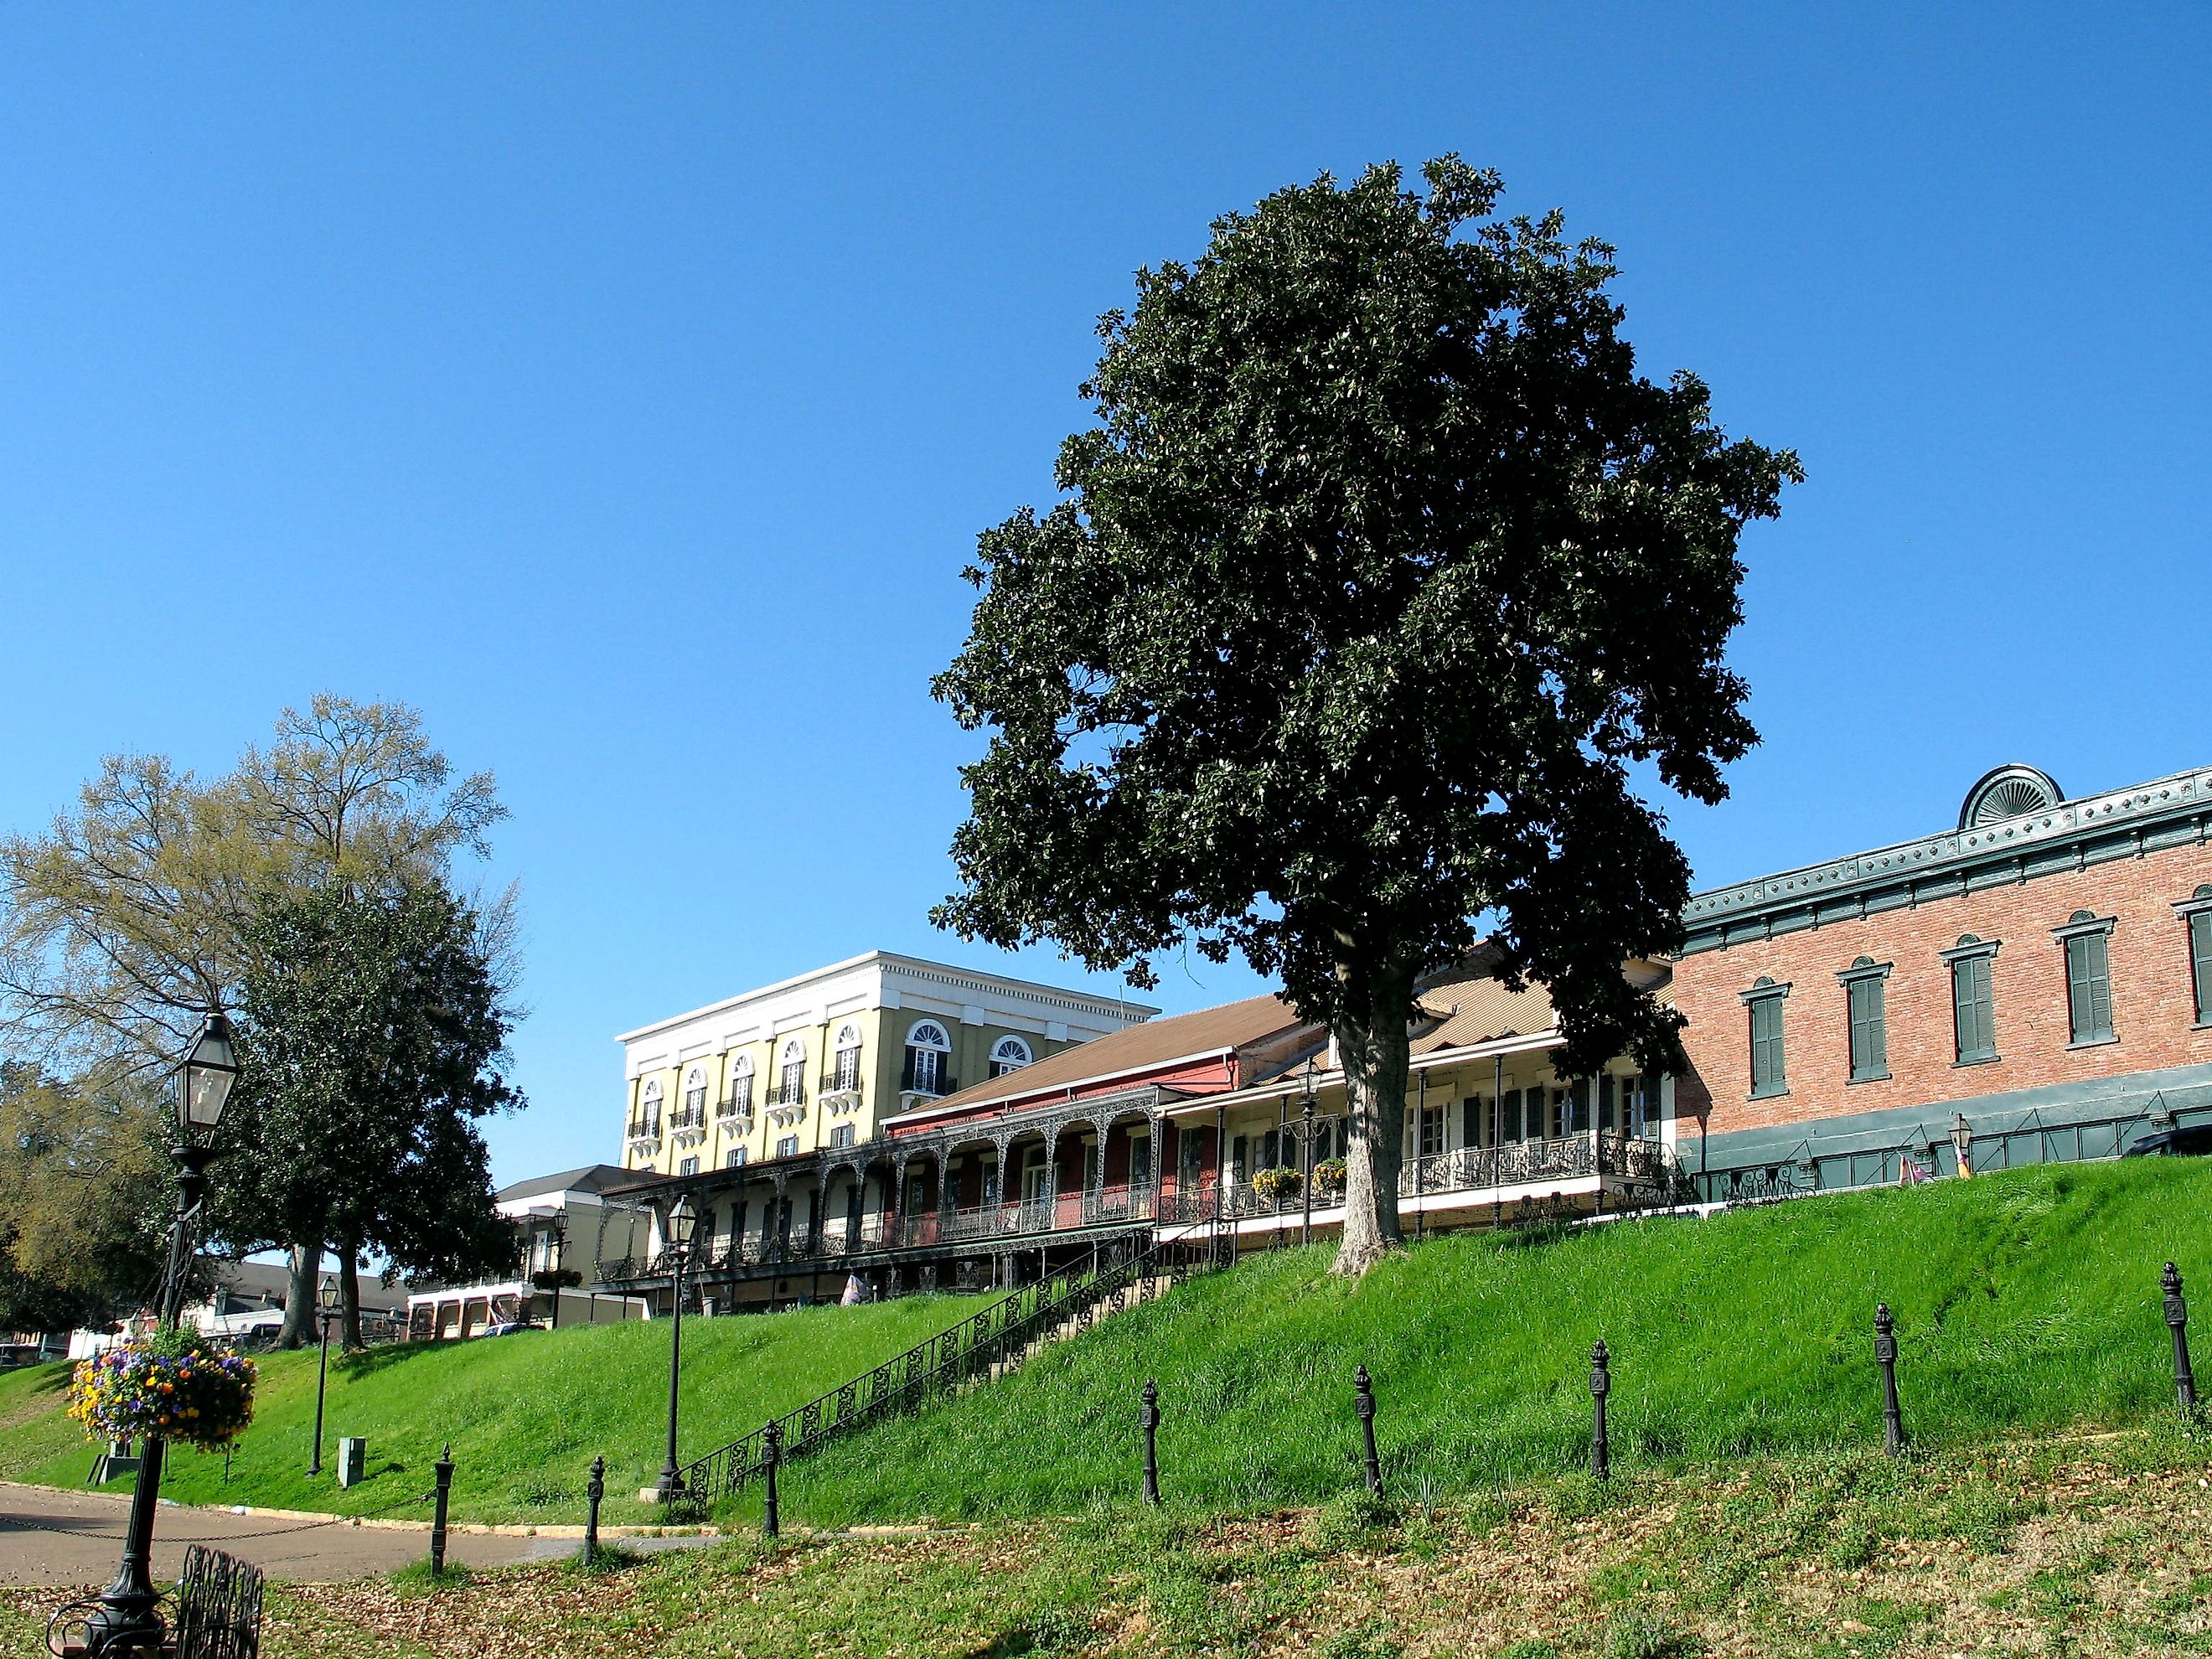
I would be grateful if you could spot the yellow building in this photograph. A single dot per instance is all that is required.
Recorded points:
(817, 1061)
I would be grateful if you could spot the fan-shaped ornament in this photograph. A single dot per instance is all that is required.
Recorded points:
(2009, 792)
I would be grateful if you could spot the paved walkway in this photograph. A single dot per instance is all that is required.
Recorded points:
(49, 1537)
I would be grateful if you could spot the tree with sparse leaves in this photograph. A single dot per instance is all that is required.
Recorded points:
(134, 915)
(1380, 571)
(84, 1200)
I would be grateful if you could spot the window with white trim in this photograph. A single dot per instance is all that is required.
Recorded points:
(791, 1073)
(1009, 1054)
(695, 1097)
(928, 1059)
(845, 1072)
(740, 1101)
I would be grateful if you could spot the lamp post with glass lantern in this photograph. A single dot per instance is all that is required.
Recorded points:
(326, 1310)
(1962, 1142)
(126, 1621)
(677, 1241)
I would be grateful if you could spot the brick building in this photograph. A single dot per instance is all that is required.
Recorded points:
(2043, 971)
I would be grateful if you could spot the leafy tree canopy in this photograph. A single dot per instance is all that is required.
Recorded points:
(1379, 571)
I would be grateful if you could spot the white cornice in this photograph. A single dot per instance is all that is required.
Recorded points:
(874, 973)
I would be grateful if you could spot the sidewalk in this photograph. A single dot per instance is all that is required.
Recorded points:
(50, 1537)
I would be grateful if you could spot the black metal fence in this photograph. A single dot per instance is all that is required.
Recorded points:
(999, 1335)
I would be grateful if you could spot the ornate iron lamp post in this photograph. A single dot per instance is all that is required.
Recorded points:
(326, 1310)
(127, 1621)
(1962, 1142)
(677, 1238)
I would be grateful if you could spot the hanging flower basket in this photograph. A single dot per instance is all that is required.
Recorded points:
(1278, 1184)
(1329, 1176)
(171, 1382)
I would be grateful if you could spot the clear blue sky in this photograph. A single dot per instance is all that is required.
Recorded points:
(625, 387)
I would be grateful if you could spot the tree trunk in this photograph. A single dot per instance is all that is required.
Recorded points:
(299, 1328)
(1372, 1045)
(349, 1299)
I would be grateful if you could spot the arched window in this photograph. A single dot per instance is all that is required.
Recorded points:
(1009, 1054)
(648, 1111)
(791, 1073)
(740, 1101)
(847, 1048)
(695, 1097)
(929, 1059)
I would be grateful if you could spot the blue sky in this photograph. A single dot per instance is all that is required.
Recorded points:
(625, 387)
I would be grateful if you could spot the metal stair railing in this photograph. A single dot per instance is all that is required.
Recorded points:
(999, 1333)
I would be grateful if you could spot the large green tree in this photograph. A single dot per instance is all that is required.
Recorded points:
(1380, 573)
(372, 1033)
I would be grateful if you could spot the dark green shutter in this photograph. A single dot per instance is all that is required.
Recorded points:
(2089, 988)
(1973, 1015)
(1767, 1074)
(2200, 962)
(1870, 1033)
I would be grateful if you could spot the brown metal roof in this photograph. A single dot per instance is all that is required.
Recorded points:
(1134, 1048)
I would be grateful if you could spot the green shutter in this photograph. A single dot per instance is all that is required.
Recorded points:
(1869, 1032)
(2200, 962)
(1973, 1016)
(1767, 1075)
(2089, 988)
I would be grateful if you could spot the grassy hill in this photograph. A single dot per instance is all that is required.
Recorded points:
(525, 1413)
(2025, 1301)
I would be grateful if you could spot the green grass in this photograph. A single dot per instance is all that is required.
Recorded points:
(2026, 1302)
(525, 1413)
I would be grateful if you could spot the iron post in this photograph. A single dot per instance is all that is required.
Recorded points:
(2177, 1319)
(443, 1469)
(771, 1458)
(594, 1490)
(1150, 1418)
(322, 1378)
(1363, 1387)
(1305, 1158)
(1600, 1381)
(1885, 1353)
(128, 1619)
(670, 1484)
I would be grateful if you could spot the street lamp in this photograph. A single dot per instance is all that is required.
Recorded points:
(1962, 1140)
(327, 1311)
(126, 1621)
(677, 1239)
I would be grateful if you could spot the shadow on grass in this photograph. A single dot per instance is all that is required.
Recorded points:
(370, 1362)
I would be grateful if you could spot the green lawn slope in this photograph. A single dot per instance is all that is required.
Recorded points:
(2026, 1302)
(525, 1413)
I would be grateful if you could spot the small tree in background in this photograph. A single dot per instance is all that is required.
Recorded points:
(372, 1035)
(1380, 569)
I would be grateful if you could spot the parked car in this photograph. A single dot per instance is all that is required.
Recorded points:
(2195, 1141)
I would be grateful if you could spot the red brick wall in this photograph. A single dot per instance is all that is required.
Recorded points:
(2153, 1007)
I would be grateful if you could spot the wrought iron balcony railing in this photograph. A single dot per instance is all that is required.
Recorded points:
(739, 1104)
(786, 1094)
(645, 1128)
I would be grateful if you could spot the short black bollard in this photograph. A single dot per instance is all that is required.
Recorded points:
(1884, 1354)
(1600, 1386)
(1364, 1389)
(2177, 1319)
(594, 1490)
(1150, 1418)
(771, 1456)
(443, 1469)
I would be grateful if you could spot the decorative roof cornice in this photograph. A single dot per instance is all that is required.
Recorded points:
(2169, 811)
